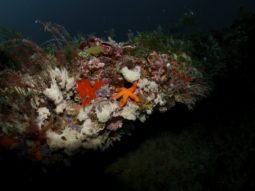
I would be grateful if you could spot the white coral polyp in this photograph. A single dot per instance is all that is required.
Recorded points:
(54, 93)
(90, 128)
(43, 114)
(61, 76)
(60, 107)
(105, 110)
(160, 100)
(70, 82)
(83, 114)
(129, 112)
(147, 85)
(131, 75)
(69, 139)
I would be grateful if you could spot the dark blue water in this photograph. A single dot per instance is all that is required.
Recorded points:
(98, 16)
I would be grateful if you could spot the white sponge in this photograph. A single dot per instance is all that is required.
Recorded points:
(131, 75)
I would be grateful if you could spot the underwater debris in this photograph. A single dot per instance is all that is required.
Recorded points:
(54, 107)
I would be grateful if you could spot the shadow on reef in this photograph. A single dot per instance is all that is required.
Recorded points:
(211, 147)
(208, 148)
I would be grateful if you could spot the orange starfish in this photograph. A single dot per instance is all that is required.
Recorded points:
(125, 93)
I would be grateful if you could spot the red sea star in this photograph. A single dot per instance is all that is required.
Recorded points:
(126, 93)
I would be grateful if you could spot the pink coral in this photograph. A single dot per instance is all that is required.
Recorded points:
(158, 64)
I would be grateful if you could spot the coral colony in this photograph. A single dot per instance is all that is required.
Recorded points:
(81, 96)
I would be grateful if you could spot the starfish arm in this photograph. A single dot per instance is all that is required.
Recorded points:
(118, 95)
(124, 100)
(135, 97)
(134, 86)
(120, 89)
(126, 93)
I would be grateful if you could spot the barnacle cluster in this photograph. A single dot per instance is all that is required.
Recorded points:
(64, 102)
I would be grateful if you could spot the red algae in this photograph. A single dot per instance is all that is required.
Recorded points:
(87, 91)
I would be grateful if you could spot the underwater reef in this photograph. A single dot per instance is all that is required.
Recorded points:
(75, 95)
(208, 148)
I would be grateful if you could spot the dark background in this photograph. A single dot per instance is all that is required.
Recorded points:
(97, 16)
(209, 148)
